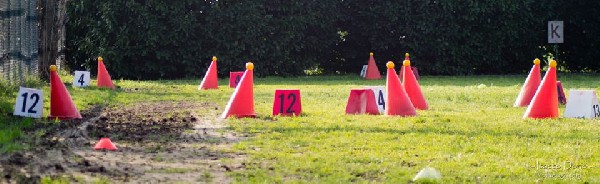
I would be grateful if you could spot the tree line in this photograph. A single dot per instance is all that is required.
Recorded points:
(151, 39)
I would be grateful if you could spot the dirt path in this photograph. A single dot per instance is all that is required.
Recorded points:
(163, 142)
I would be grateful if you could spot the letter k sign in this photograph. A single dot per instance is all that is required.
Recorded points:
(555, 32)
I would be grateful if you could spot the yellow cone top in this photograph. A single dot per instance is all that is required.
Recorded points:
(370, 53)
(536, 61)
(214, 58)
(553, 63)
(53, 68)
(100, 59)
(249, 66)
(390, 64)
(406, 55)
(406, 63)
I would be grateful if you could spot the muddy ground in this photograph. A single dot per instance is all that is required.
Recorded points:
(161, 142)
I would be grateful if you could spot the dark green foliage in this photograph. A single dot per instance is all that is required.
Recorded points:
(173, 39)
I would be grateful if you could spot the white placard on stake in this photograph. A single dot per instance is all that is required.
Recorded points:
(29, 103)
(582, 104)
(379, 92)
(81, 79)
(363, 72)
(555, 32)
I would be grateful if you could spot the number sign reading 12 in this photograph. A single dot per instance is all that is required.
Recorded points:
(379, 92)
(29, 103)
(81, 79)
(287, 103)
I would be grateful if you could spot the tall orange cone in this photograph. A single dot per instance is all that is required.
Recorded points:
(372, 71)
(410, 83)
(398, 102)
(530, 86)
(545, 100)
(103, 76)
(241, 103)
(401, 72)
(106, 144)
(61, 104)
(210, 80)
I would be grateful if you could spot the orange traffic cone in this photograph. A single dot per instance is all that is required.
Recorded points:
(545, 100)
(241, 103)
(531, 84)
(210, 80)
(372, 71)
(398, 102)
(61, 104)
(105, 144)
(103, 76)
(412, 87)
(401, 72)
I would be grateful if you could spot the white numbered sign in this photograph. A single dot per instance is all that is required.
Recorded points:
(29, 103)
(363, 72)
(81, 79)
(582, 104)
(379, 92)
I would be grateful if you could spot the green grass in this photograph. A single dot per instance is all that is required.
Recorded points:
(470, 134)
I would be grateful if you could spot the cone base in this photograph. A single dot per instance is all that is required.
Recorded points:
(64, 117)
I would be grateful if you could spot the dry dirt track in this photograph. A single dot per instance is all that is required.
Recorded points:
(160, 142)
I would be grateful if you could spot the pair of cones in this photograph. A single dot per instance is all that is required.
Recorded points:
(403, 98)
(541, 98)
(61, 103)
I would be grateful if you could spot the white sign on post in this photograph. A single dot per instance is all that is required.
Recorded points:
(582, 104)
(555, 32)
(379, 92)
(29, 103)
(81, 79)
(363, 72)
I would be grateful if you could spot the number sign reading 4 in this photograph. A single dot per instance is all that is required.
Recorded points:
(287, 103)
(29, 103)
(81, 79)
(380, 100)
(582, 104)
(235, 78)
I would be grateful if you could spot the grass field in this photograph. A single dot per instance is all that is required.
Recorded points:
(470, 134)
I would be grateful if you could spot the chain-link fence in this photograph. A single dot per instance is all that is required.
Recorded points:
(18, 40)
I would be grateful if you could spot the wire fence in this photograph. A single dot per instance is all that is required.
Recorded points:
(19, 40)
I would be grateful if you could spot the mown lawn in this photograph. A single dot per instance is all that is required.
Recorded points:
(471, 132)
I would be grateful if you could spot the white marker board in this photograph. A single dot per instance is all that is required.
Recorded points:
(29, 103)
(582, 104)
(81, 79)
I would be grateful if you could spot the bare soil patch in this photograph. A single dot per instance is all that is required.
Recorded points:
(159, 142)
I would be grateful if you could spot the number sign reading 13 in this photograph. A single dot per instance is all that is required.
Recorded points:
(29, 103)
(235, 78)
(287, 103)
(81, 79)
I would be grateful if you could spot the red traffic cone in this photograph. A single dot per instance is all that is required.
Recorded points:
(531, 84)
(361, 101)
(61, 104)
(398, 102)
(106, 144)
(401, 72)
(545, 100)
(103, 76)
(241, 103)
(372, 71)
(210, 80)
(411, 85)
